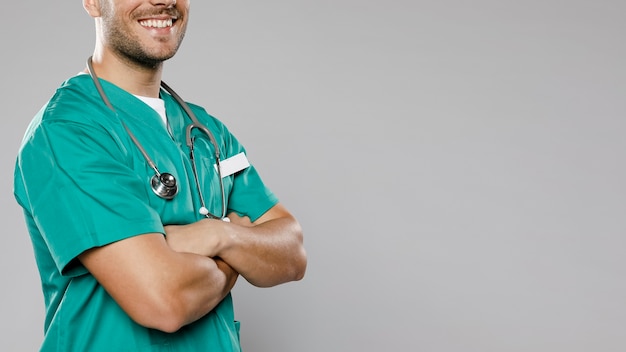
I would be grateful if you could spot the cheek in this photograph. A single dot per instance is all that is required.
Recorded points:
(183, 7)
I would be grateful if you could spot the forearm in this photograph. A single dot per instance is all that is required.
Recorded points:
(268, 253)
(156, 286)
(202, 285)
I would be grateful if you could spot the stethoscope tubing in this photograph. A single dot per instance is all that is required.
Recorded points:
(189, 141)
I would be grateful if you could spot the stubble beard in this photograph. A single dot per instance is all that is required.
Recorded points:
(128, 46)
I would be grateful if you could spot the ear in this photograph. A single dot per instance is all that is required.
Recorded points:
(92, 7)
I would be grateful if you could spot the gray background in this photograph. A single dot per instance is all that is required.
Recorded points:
(458, 166)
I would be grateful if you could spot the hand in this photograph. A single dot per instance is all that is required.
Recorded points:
(230, 273)
(238, 220)
(205, 237)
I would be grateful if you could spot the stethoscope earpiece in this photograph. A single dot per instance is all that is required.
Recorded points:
(164, 185)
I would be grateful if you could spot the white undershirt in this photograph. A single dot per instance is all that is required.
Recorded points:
(157, 104)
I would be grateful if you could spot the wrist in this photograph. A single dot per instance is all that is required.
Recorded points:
(226, 235)
(216, 237)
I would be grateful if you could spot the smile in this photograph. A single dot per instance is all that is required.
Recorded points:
(152, 23)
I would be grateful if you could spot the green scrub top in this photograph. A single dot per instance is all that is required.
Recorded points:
(83, 183)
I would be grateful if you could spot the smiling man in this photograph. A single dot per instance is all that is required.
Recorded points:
(156, 210)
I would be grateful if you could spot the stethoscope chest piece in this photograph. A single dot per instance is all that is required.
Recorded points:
(164, 185)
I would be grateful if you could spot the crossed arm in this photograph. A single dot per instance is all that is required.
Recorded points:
(168, 282)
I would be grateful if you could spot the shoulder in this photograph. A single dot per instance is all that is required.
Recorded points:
(205, 118)
(75, 106)
(75, 100)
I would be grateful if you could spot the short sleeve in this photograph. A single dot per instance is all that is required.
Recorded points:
(248, 196)
(81, 190)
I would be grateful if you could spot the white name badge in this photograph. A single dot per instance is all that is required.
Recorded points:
(233, 164)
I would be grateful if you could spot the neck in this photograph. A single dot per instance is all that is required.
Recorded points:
(130, 76)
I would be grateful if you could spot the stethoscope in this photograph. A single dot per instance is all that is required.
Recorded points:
(164, 184)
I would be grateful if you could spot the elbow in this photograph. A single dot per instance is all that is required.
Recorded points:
(168, 323)
(300, 259)
(291, 270)
(299, 266)
(168, 326)
(165, 314)
(297, 261)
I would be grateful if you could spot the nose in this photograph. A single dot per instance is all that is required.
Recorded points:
(167, 3)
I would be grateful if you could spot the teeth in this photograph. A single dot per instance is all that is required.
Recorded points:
(156, 23)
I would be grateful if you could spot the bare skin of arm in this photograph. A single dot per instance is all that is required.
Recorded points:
(266, 253)
(156, 286)
(166, 284)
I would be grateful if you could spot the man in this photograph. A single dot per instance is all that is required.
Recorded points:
(122, 268)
